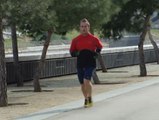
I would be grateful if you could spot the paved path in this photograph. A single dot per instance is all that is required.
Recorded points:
(139, 101)
(142, 104)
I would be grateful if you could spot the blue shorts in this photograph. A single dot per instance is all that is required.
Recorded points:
(85, 73)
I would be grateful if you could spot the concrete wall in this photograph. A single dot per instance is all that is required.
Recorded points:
(60, 63)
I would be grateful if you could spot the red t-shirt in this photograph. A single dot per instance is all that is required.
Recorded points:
(86, 46)
(89, 42)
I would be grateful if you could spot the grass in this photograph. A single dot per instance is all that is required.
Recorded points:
(72, 34)
(24, 42)
(155, 32)
(8, 43)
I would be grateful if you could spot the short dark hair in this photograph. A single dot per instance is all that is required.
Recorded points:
(85, 20)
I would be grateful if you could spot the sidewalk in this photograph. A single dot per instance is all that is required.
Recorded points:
(65, 89)
(134, 102)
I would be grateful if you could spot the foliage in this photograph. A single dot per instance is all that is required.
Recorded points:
(32, 17)
(38, 17)
(131, 17)
(70, 12)
(35, 17)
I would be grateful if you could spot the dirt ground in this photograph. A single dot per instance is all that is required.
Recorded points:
(64, 89)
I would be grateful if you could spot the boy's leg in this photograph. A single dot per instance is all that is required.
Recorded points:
(88, 84)
(84, 91)
(88, 87)
(80, 72)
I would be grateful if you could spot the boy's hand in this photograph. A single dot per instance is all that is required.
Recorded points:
(75, 53)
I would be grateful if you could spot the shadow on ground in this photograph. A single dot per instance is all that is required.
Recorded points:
(14, 104)
(117, 71)
(31, 91)
(111, 83)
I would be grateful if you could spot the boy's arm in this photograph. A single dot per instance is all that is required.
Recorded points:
(98, 45)
(73, 50)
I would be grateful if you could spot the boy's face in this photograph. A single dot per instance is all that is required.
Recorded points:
(84, 28)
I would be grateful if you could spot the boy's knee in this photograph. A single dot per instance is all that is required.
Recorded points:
(87, 82)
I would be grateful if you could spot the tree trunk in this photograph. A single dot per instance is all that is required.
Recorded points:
(100, 58)
(3, 83)
(143, 71)
(40, 67)
(95, 78)
(101, 61)
(18, 75)
(154, 45)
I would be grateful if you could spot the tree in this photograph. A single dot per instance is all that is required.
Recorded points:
(13, 15)
(37, 87)
(95, 78)
(70, 12)
(153, 42)
(18, 74)
(39, 17)
(143, 71)
(3, 84)
(134, 16)
(101, 61)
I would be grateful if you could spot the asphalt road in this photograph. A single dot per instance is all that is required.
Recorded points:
(141, 104)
